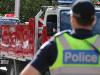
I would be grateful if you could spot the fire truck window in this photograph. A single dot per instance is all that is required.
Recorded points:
(65, 20)
(51, 24)
(96, 28)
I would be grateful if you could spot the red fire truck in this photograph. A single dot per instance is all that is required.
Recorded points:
(20, 42)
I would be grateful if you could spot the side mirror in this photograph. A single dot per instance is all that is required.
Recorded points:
(51, 30)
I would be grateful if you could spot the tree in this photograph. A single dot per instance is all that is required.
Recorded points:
(29, 8)
(94, 1)
(6, 6)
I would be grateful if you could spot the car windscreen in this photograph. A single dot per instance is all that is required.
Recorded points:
(9, 21)
(65, 21)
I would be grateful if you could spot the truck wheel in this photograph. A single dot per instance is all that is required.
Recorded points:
(11, 71)
(11, 67)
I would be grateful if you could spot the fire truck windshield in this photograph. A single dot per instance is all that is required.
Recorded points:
(65, 21)
(96, 28)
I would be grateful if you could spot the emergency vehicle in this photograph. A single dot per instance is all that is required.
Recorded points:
(19, 43)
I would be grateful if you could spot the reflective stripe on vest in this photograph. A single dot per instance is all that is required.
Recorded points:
(76, 57)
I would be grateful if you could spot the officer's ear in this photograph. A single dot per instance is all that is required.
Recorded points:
(74, 22)
(94, 21)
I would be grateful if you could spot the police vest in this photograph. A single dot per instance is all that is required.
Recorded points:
(76, 57)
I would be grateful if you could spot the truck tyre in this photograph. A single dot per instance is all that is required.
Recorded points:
(11, 67)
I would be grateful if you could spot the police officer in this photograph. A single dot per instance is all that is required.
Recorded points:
(71, 53)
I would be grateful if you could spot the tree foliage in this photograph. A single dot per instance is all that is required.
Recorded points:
(29, 8)
(94, 1)
(6, 6)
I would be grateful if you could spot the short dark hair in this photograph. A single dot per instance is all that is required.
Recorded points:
(84, 12)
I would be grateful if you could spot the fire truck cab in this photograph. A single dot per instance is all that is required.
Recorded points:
(55, 19)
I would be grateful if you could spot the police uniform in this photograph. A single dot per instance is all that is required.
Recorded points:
(76, 56)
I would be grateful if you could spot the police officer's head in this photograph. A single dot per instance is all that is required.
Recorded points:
(83, 14)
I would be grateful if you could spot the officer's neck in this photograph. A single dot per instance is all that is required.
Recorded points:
(83, 27)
